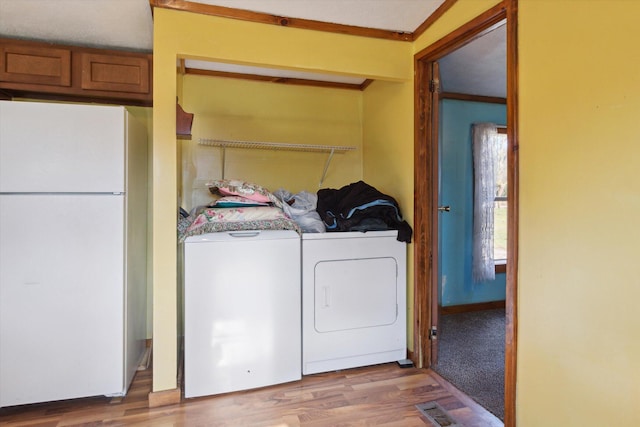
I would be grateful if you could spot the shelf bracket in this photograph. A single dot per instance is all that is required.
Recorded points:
(223, 148)
(326, 167)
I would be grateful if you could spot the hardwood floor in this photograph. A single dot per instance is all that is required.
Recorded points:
(381, 395)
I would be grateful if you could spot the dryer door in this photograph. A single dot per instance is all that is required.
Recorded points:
(355, 293)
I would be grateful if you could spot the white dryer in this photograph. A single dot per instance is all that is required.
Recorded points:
(353, 300)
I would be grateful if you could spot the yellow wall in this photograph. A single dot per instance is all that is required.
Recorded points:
(145, 115)
(182, 34)
(242, 110)
(578, 346)
(388, 155)
(579, 325)
(579, 103)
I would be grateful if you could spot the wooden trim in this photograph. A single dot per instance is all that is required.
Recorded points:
(307, 24)
(473, 98)
(511, 336)
(482, 24)
(500, 267)
(264, 18)
(164, 397)
(421, 237)
(271, 79)
(434, 156)
(365, 84)
(411, 356)
(446, 5)
(19, 92)
(184, 121)
(180, 376)
(434, 159)
(468, 308)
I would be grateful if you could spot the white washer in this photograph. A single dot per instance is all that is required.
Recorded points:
(353, 300)
(241, 311)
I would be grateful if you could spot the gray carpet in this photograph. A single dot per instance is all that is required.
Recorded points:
(471, 356)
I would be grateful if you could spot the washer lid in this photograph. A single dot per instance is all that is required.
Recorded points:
(243, 235)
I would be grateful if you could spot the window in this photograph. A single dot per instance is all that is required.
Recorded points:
(490, 205)
(500, 200)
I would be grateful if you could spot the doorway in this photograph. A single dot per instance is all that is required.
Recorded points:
(426, 181)
(470, 310)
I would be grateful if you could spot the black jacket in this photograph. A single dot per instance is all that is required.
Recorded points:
(361, 207)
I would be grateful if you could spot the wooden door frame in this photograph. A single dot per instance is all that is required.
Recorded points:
(433, 75)
(425, 184)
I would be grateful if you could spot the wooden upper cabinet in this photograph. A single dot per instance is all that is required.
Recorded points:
(42, 70)
(115, 73)
(38, 65)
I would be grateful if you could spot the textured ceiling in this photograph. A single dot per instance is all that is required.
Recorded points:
(478, 68)
(128, 24)
(394, 15)
(119, 24)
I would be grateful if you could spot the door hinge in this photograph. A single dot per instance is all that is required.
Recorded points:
(434, 86)
(433, 333)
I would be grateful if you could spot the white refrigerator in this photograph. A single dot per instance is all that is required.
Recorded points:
(73, 203)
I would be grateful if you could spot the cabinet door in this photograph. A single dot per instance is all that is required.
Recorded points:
(31, 69)
(35, 65)
(115, 73)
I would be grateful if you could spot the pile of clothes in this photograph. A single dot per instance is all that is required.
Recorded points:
(361, 207)
(242, 206)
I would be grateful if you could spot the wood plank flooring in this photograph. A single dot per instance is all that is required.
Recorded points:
(381, 395)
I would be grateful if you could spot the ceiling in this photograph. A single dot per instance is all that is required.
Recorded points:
(479, 68)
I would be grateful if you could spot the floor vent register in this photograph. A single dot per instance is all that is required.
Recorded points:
(437, 415)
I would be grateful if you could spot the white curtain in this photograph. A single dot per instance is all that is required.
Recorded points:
(484, 190)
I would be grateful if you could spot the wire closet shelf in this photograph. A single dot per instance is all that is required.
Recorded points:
(274, 145)
(224, 144)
